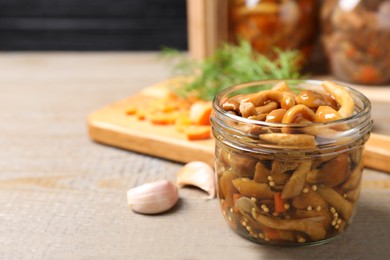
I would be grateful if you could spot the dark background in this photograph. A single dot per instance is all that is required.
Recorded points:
(92, 24)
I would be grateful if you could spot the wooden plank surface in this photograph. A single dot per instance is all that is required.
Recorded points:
(63, 196)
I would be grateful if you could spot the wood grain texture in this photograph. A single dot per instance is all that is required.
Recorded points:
(377, 152)
(63, 196)
(206, 26)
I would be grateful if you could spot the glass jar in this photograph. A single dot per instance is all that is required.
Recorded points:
(356, 36)
(320, 163)
(266, 24)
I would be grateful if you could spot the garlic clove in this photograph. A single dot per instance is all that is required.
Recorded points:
(198, 174)
(153, 198)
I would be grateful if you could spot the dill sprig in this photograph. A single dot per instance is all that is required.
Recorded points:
(231, 65)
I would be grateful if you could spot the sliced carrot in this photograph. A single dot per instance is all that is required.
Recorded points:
(182, 104)
(141, 114)
(197, 132)
(131, 110)
(160, 118)
(164, 105)
(200, 113)
(279, 202)
(190, 117)
(182, 123)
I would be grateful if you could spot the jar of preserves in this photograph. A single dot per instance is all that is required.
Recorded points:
(289, 159)
(266, 24)
(356, 36)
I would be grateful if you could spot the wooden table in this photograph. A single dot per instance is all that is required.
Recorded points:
(64, 197)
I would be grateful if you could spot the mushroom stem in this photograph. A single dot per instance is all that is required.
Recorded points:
(295, 184)
(342, 96)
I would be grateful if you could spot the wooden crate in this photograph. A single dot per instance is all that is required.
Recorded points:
(207, 26)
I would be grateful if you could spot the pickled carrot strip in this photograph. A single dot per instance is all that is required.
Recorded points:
(279, 202)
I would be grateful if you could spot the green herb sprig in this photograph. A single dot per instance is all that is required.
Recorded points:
(231, 65)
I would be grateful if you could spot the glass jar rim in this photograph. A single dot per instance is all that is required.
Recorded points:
(223, 93)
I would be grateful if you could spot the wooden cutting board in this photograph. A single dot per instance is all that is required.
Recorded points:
(110, 125)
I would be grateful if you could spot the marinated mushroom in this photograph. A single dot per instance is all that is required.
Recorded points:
(250, 188)
(261, 173)
(271, 106)
(284, 98)
(342, 96)
(276, 116)
(296, 113)
(290, 140)
(295, 184)
(326, 114)
(311, 99)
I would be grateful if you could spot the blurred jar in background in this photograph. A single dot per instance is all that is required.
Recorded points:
(266, 24)
(356, 36)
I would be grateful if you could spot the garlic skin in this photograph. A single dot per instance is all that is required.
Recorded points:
(198, 174)
(153, 198)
